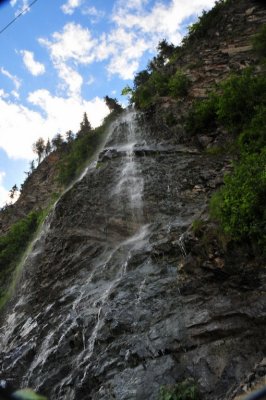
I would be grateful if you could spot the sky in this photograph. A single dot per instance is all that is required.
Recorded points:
(61, 57)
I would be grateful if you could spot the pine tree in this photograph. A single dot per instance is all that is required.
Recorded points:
(85, 126)
(57, 141)
(48, 147)
(70, 136)
(32, 166)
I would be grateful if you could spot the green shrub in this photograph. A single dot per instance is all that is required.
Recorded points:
(185, 390)
(233, 105)
(197, 226)
(13, 244)
(178, 84)
(240, 95)
(253, 138)
(202, 116)
(239, 206)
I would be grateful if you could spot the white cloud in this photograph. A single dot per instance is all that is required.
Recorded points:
(73, 43)
(16, 81)
(134, 31)
(23, 6)
(3, 94)
(94, 14)
(34, 67)
(72, 80)
(90, 80)
(22, 126)
(70, 5)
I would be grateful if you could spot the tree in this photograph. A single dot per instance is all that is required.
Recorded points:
(165, 49)
(113, 104)
(32, 166)
(39, 148)
(70, 136)
(48, 147)
(13, 191)
(141, 78)
(57, 141)
(85, 126)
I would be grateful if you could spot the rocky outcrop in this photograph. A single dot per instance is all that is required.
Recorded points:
(36, 194)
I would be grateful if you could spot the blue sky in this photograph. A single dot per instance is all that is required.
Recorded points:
(62, 57)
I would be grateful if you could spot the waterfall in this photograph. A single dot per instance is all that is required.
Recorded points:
(96, 288)
(130, 185)
(106, 272)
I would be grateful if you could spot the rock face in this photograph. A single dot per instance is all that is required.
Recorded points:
(116, 298)
(36, 192)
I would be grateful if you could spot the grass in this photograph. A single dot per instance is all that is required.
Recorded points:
(14, 246)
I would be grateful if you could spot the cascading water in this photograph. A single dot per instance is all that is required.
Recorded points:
(108, 271)
(130, 185)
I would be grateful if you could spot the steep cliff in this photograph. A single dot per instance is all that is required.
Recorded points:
(121, 294)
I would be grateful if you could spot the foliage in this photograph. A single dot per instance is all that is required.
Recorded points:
(113, 104)
(85, 128)
(259, 42)
(165, 49)
(27, 394)
(240, 205)
(149, 86)
(239, 105)
(14, 243)
(79, 150)
(185, 390)
(70, 136)
(57, 141)
(253, 138)
(232, 105)
(240, 95)
(48, 147)
(205, 22)
(13, 191)
(178, 84)
(202, 116)
(39, 148)
(197, 226)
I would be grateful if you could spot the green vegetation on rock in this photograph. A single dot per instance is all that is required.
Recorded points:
(185, 390)
(206, 21)
(240, 205)
(80, 150)
(239, 105)
(12, 246)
